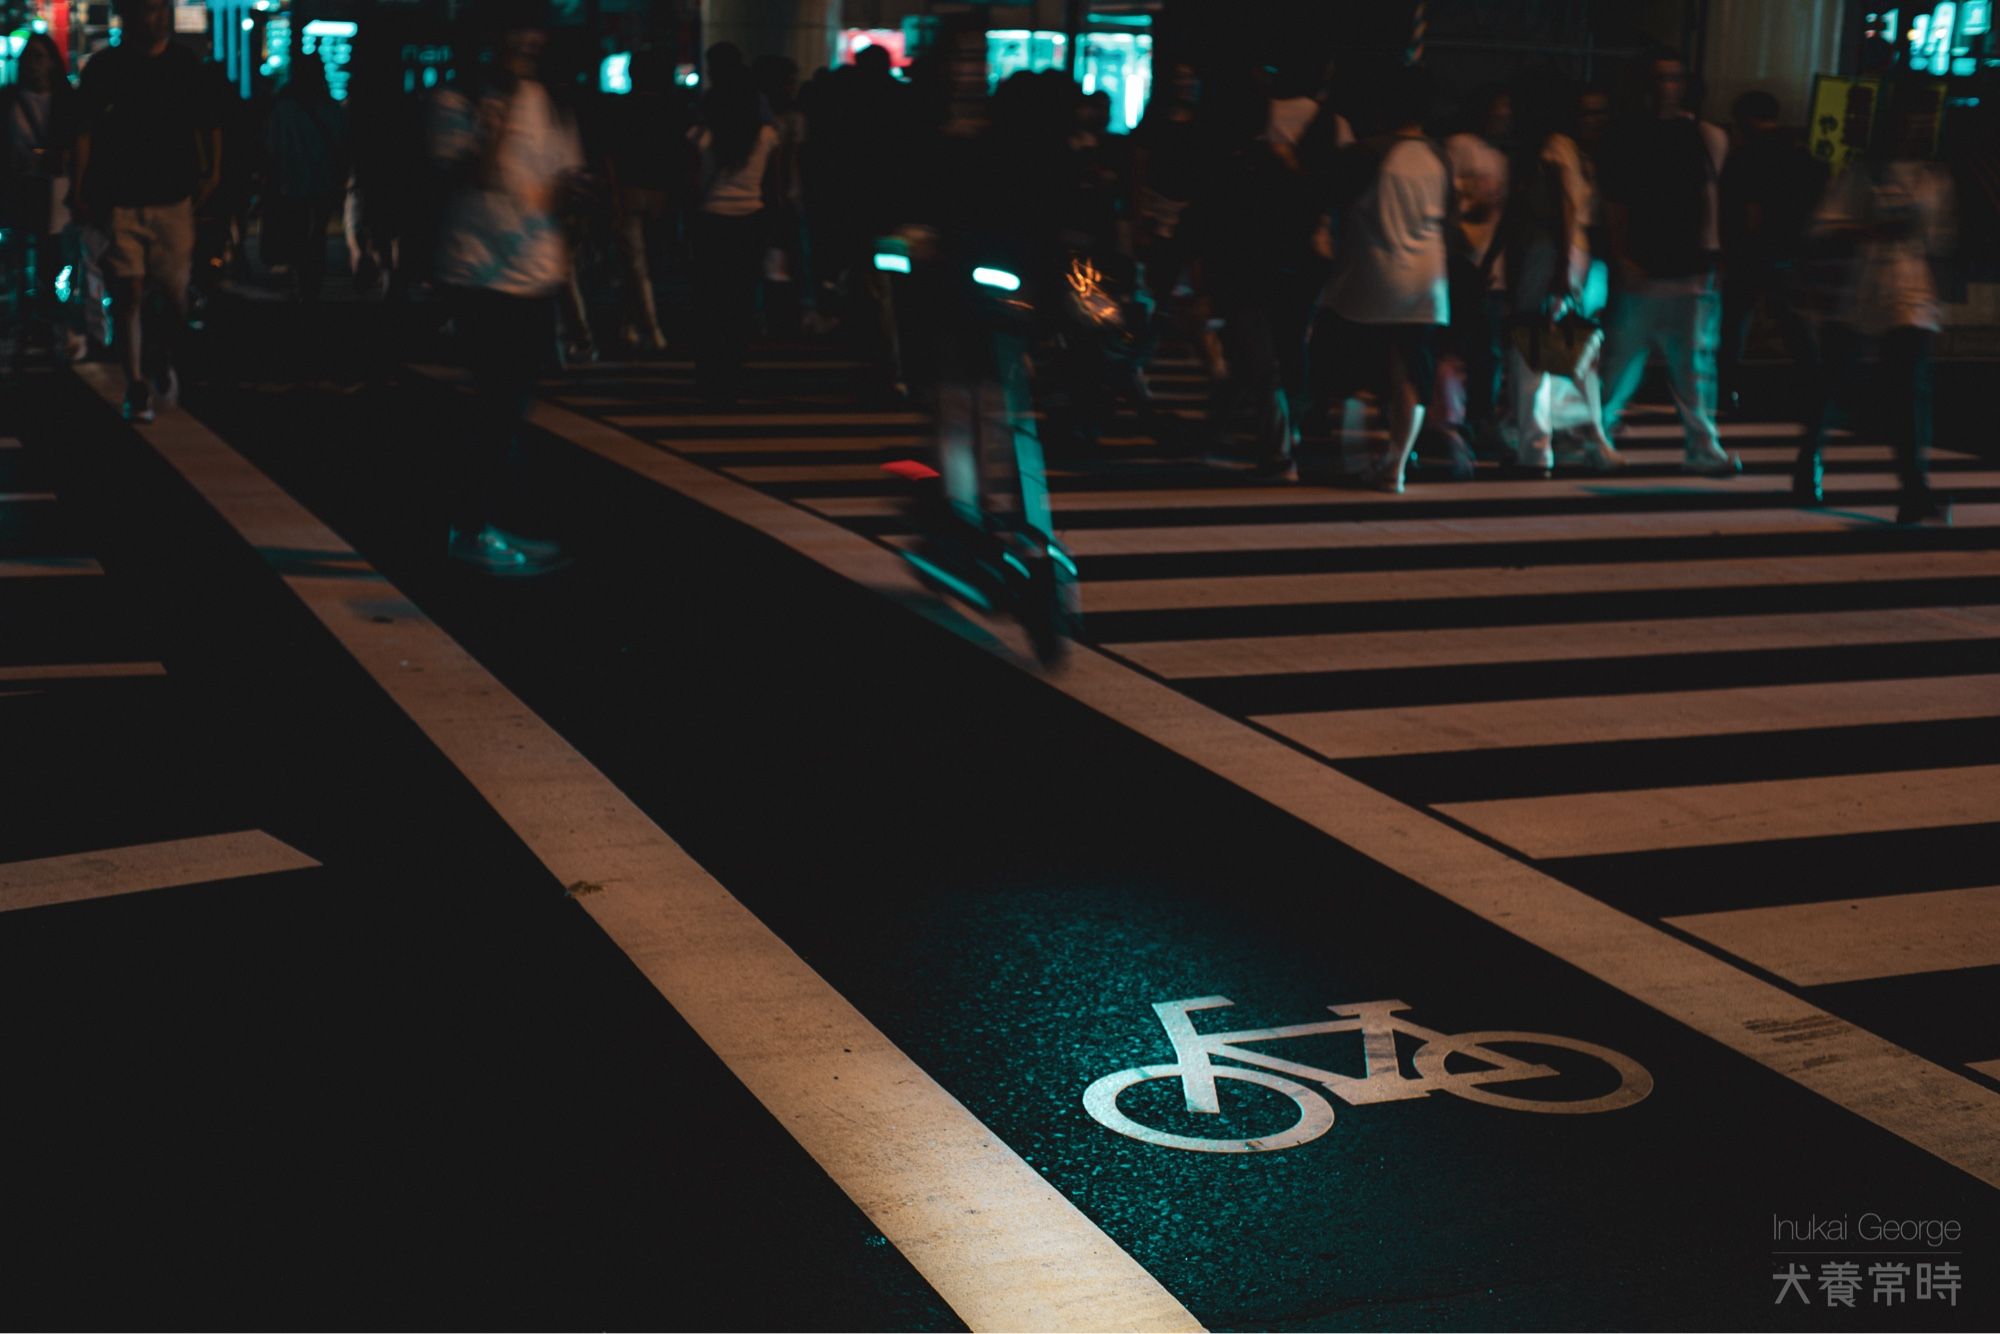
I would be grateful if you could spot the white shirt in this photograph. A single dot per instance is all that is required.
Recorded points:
(1390, 266)
(1291, 117)
(734, 192)
(504, 235)
(1479, 174)
(1561, 153)
(1893, 284)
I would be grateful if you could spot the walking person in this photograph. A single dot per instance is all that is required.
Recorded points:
(1550, 276)
(1480, 170)
(150, 148)
(1770, 187)
(1893, 214)
(38, 124)
(736, 147)
(1661, 177)
(306, 145)
(502, 255)
(1389, 295)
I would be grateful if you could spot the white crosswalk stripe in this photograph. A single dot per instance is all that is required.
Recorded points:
(1623, 669)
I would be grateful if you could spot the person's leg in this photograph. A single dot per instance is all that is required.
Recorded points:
(1685, 335)
(1839, 349)
(642, 311)
(1741, 286)
(1907, 372)
(313, 216)
(1530, 390)
(1797, 333)
(1627, 339)
(169, 270)
(1412, 369)
(1256, 363)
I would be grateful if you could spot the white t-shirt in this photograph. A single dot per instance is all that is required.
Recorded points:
(1390, 266)
(504, 235)
(1894, 287)
(1579, 189)
(735, 192)
(1479, 174)
(1291, 117)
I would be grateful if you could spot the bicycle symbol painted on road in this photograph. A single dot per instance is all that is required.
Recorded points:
(1378, 1023)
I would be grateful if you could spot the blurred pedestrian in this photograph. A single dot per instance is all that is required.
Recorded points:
(1893, 214)
(508, 156)
(648, 157)
(306, 145)
(1389, 293)
(1770, 186)
(1661, 177)
(149, 150)
(38, 125)
(736, 149)
(1479, 154)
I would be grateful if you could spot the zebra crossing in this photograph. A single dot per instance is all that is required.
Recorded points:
(1760, 727)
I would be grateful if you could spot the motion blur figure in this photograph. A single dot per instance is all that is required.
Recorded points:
(737, 150)
(1890, 214)
(149, 151)
(38, 122)
(306, 146)
(503, 257)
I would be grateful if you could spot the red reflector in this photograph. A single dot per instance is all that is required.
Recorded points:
(911, 470)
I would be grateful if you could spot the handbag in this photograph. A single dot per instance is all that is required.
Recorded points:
(1553, 346)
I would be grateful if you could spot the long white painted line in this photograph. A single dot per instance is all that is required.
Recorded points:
(1389, 531)
(1991, 1069)
(144, 866)
(1270, 497)
(46, 567)
(75, 671)
(694, 420)
(1345, 734)
(1939, 1110)
(1375, 650)
(1589, 824)
(989, 1233)
(1849, 940)
(1279, 590)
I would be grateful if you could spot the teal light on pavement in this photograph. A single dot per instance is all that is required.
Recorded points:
(950, 580)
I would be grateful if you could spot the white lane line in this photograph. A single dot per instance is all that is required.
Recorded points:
(46, 567)
(995, 1239)
(1939, 1110)
(1431, 729)
(76, 671)
(1269, 497)
(144, 866)
(695, 420)
(1389, 531)
(1589, 824)
(1278, 590)
(1850, 940)
(1375, 650)
(1991, 1069)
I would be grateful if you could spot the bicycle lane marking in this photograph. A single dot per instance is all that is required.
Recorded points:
(1936, 1109)
(999, 1244)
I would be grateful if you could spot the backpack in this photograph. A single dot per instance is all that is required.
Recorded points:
(1668, 172)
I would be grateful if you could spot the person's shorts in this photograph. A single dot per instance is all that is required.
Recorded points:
(154, 242)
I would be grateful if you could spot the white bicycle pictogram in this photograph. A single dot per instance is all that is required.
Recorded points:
(1378, 1023)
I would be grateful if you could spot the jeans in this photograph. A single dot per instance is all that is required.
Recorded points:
(728, 260)
(1684, 323)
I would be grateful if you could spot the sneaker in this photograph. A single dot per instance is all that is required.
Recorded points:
(1719, 464)
(499, 553)
(1929, 512)
(168, 389)
(139, 403)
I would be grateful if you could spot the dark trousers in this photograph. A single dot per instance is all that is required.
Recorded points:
(728, 258)
(1743, 286)
(505, 340)
(1905, 394)
(1253, 342)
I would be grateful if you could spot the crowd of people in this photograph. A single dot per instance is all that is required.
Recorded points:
(1497, 273)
